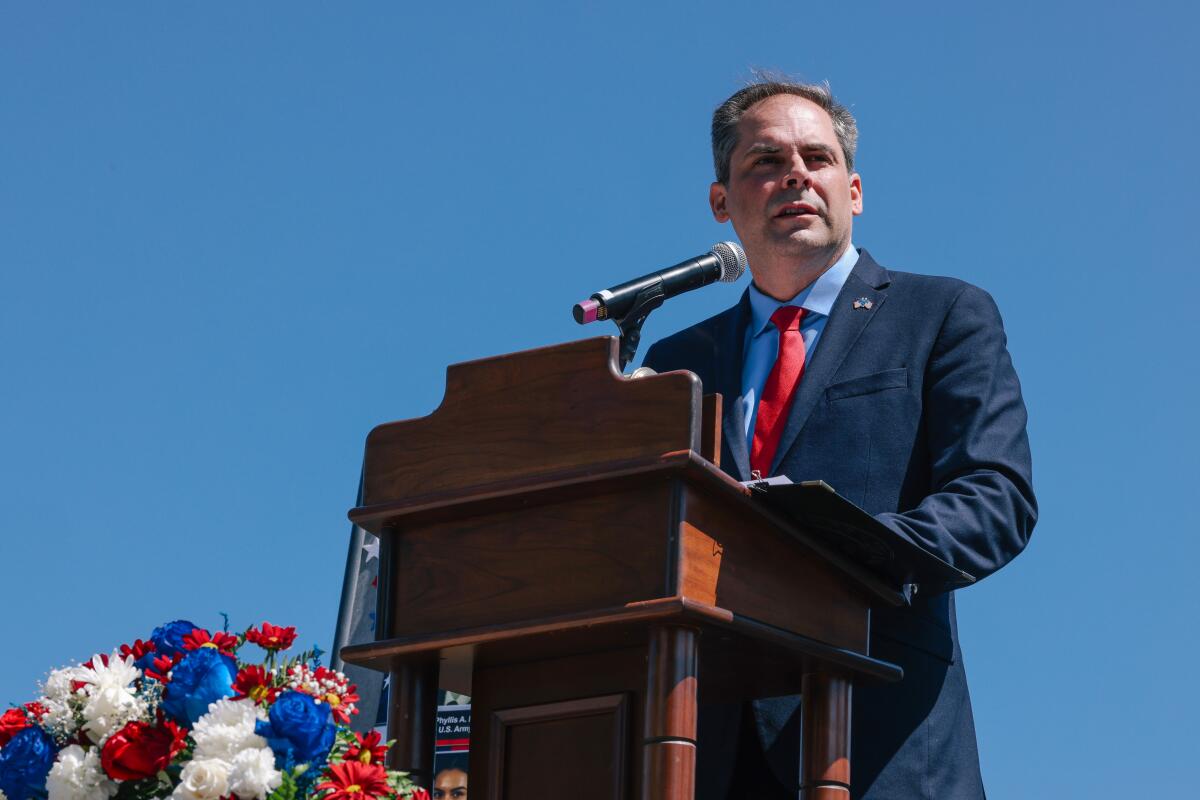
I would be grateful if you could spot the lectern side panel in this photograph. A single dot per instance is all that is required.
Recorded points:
(733, 561)
(531, 562)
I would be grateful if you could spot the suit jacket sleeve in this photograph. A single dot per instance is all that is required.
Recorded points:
(980, 509)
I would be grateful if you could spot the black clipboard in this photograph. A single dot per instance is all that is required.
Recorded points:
(853, 532)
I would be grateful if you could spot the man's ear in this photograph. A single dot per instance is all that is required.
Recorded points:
(716, 200)
(856, 194)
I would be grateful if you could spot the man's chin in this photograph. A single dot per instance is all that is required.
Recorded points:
(801, 243)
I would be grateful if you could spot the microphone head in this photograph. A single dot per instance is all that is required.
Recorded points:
(732, 258)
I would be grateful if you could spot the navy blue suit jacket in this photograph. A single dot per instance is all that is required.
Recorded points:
(911, 409)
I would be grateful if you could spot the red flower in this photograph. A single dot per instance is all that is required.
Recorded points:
(253, 682)
(272, 637)
(353, 780)
(367, 749)
(37, 709)
(327, 686)
(163, 666)
(341, 698)
(224, 642)
(138, 649)
(140, 750)
(419, 793)
(11, 723)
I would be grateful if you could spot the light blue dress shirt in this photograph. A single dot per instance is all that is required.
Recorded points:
(762, 337)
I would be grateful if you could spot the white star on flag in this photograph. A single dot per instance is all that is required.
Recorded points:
(371, 548)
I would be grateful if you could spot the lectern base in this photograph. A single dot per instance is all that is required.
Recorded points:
(614, 723)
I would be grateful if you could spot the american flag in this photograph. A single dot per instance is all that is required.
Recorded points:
(356, 624)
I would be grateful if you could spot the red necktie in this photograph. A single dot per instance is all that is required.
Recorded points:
(780, 389)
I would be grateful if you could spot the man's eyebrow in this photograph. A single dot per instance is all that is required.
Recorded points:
(759, 148)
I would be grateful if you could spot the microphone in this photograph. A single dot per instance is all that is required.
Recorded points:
(725, 262)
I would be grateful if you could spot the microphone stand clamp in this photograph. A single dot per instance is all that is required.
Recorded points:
(646, 301)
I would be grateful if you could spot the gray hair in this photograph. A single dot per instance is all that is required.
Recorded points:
(727, 116)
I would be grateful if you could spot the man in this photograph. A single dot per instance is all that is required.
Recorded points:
(896, 389)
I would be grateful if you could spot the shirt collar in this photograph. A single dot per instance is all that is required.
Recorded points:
(816, 298)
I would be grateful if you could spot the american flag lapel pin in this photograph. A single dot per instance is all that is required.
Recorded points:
(864, 303)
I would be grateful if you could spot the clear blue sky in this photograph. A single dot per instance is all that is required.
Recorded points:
(234, 237)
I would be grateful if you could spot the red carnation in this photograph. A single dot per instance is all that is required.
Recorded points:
(140, 750)
(272, 637)
(253, 682)
(353, 780)
(11, 723)
(367, 749)
(224, 642)
(419, 793)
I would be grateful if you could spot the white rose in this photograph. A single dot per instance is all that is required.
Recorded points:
(77, 775)
(203, 779)
(254, 774)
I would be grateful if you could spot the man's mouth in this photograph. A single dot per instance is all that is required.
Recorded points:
(796, 210)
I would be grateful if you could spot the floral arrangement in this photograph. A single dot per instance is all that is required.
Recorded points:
(180, 716)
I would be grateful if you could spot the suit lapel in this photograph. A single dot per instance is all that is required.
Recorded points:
(846, 322)
(729, 342)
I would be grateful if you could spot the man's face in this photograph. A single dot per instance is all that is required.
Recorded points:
(789, 194)
(450, 784)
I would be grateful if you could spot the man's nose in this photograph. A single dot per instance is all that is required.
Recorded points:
(797, 176)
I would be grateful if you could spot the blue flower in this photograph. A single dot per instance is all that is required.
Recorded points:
(168, 639)
(299, 729)
(203, 677)
(25, 762)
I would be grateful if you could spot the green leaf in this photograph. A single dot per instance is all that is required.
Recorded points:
(145, 789)
(286, 790)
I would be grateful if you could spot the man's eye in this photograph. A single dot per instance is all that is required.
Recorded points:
(820, 158)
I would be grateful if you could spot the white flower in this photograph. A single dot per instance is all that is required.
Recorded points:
(203, 779)
(228, 729)
(241, 713)
(111, 698)
(77, 775)
(254, 774)
(58, 684)
(62, 701)
(59, 719)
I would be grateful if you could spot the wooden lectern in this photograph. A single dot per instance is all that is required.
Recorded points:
(557, 541)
